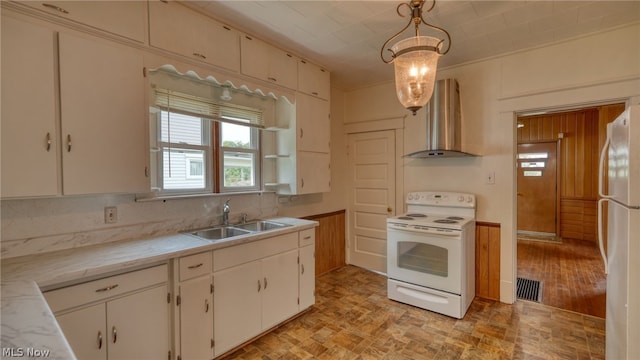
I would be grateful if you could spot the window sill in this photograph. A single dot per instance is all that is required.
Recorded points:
(153, 197)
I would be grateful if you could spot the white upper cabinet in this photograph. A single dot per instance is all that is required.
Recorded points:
(123, 18)
(313, 80)
(313, 124)
(178, 29)
(266, 62)
(28, 120)
(103, 117)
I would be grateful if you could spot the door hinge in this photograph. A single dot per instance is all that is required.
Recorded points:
(146, 171)
(178, 300)
(169, 357)
(179, 357)
(298, 259)
(211, 287)
(168, 298)
(213, 343)
(298, 301)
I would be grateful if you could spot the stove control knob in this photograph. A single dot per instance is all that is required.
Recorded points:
(410, 197)
(460, 198)
(469, 199)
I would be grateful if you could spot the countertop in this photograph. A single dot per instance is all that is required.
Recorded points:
(28, 325)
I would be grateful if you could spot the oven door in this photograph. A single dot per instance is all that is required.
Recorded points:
(425, 258)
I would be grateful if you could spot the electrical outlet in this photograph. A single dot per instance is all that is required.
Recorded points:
(110, 215)
(491, 178)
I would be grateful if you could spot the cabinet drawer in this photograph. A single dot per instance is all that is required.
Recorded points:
(240, 254)
(194, 265)
(307, 237)
(102, 289)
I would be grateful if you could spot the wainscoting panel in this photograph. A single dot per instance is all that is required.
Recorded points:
(330, 241)
(488, 260)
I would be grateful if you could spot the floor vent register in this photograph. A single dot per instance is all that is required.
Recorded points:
(529, 290)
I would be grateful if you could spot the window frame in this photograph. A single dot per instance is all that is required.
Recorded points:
(256, 152)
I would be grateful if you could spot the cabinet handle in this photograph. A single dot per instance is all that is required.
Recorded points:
(272, 79)
(206, 305)
(314, 93)
(302, 267)
(56, 8)
(69, 143)
(307, 237)
(107, 288)
(199, 55)
(302, 181)
(99, 340)
(48, 142)
(114, 332)
(194, 266)
(259, 286)
(301, 133)
(265, 283)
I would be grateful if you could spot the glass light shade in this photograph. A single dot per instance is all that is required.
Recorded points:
(415, 66)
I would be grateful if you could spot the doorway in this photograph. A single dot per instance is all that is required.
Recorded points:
(372, 196)
(561, 251)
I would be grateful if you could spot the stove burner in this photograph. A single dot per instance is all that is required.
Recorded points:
(455, 218)
(445, 221)
(417, 215)
(404, 218)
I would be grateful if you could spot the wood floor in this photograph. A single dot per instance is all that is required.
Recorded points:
(353, 319)
(571, 272)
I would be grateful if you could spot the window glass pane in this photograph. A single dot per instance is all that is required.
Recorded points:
(183, 129)
(239, 169)
(236, 136)
(183, 169)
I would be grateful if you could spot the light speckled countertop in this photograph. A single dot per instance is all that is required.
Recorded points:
(26, 320)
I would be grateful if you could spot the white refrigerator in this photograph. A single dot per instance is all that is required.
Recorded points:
(622, 255)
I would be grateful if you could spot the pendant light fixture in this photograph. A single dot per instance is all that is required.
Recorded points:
(415, 59)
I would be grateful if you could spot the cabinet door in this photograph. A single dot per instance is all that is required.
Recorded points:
(178, 29)
(280, 288)
(86, 332)
(236, 305)
(196, 319)
(314, 127)
(103, 117)
(313, 80)
(124, 18)
(138, 325)
(307, 276)
(255, 55)
(283, 68)
(314, 174)
(29, 140)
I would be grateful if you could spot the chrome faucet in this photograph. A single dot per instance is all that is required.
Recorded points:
(225, 212)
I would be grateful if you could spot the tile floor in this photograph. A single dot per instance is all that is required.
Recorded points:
(353, 319)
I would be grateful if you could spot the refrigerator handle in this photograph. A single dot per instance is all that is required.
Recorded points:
(601, 173)
(600, 232)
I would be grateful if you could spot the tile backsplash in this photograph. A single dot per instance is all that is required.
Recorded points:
(31, 226)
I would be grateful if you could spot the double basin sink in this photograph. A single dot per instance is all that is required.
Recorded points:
(229, 231)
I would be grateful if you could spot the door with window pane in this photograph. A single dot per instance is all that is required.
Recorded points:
(537, 179)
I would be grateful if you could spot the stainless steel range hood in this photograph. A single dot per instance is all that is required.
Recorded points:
(443, 122)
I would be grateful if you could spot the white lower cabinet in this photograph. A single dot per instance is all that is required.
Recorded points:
(120, 317)
(255, 288)
(307, 271)
(196, 319)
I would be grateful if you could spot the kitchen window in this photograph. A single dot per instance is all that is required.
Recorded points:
(202, 146)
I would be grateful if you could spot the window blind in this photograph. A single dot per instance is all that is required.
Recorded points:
(174, 101)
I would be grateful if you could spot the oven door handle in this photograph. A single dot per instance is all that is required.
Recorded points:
(430, 231)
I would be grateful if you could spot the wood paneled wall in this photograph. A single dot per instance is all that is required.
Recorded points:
(583, 135)
(488, 260)
(330, 241)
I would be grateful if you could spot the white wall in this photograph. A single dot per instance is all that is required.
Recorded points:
(600, 68)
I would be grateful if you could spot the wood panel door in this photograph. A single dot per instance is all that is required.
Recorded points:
(372, 196)
(537, 187)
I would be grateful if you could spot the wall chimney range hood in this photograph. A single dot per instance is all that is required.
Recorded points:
(443, 122)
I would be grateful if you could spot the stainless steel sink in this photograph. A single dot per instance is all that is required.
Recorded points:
(263, 225)
(219, 233)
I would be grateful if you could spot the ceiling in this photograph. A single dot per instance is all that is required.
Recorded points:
(346, 36)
